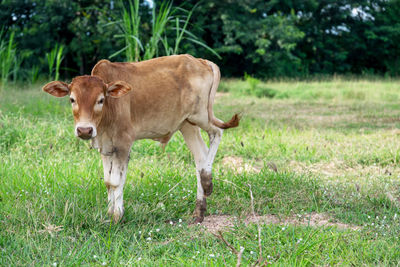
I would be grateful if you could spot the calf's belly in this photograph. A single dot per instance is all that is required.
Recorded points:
(158, 132)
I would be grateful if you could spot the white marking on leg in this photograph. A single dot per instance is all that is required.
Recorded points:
(200, 190)
(114, 177)
(215, 138)
(107, 168)
(120, 175)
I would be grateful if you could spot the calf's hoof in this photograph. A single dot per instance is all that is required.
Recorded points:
(116, 214)
(201, 207)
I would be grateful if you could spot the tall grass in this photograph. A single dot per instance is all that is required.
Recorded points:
(183, 34)
(163, 23)
(8, 51)
(131, 20)
(34, 74)
(159, 25)
(54, 59)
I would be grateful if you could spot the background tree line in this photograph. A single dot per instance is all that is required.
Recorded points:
(267, 39)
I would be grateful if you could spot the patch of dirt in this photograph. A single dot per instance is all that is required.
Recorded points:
(238, 165)
(215, 223)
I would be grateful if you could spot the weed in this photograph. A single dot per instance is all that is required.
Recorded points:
(54, 59)
(162, 21)
(8, 52)
(256, 90)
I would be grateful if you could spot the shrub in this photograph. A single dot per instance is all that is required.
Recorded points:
(256, 90)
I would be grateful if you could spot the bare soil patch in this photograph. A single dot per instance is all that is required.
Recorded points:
(215, 223)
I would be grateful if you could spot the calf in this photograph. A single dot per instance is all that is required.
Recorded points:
(123, 102)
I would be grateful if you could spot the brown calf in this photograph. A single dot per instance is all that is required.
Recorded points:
(124, 102)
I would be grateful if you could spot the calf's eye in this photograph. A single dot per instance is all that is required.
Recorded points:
(101, 101)
(72, 100)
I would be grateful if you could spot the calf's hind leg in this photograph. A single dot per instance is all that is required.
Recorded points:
(214, 135)
(196, 144)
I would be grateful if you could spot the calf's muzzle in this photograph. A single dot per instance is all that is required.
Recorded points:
(85, 132)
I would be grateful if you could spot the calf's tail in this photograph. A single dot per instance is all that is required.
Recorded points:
(234, 121)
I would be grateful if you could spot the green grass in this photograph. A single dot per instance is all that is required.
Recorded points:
(335, 144)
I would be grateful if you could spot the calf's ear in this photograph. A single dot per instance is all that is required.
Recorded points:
(56, 88)
(118, 89)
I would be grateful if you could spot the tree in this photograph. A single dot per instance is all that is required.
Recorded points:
(249, 37)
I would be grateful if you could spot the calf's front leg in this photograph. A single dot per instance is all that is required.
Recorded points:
(115, 167)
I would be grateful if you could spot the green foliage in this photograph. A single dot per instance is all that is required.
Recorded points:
(256, 90)
(183, 34)
(249, 38)
(385, 34)
(252, 82)
(267, 39)
(34, 74)
(8, 54)
(130, 27)
(158, 26)
(162, 23)
(54, 59)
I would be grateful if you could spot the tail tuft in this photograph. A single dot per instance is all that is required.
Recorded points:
(234, 122)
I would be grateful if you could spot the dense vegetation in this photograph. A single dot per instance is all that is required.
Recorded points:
(262, 38)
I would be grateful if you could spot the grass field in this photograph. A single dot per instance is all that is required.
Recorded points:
(334, 146)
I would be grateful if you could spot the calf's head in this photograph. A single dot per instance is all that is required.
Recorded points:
(88, 96)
